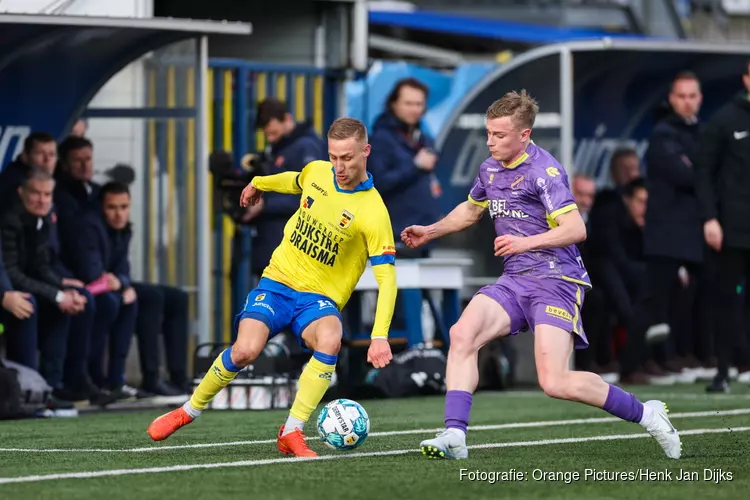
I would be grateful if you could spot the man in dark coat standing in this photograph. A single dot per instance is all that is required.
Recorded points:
(672, 236)
(723, 185)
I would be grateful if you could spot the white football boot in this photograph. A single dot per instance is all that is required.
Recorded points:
(449, 444)
(657, 423)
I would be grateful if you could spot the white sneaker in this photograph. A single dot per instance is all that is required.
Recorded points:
(448, 444)
(706, 374)
(667, 379)
(686, 376)
(657, 333)
(657, 423)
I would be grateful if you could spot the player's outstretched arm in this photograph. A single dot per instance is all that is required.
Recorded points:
(464, 215)
(284, 183)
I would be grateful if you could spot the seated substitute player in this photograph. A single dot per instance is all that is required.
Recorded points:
(537, 225)
(340, 222)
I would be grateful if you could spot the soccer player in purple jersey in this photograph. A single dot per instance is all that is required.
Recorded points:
(537, 224)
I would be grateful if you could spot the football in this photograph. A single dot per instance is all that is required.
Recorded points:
(343, 424)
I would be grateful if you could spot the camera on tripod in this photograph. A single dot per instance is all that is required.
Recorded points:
(230, 180)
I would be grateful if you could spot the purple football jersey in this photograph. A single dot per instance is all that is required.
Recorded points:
(523, 200)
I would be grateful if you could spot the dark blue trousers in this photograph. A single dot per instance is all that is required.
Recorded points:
(114, 324)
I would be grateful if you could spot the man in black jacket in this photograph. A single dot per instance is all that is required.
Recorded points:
(103, 256)
(618, 268)
(672, 236)
(75, 194)
(291, 146)
(40, 151)
(26, 256)
(18, 316)
(107, 233)
(722, 182)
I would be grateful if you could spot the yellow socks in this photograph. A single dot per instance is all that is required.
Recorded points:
(219, 375)
(313, 384)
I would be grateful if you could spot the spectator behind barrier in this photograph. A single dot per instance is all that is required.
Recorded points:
(164, 308)
(583, 188)
(618, 267)
(624, 167)
(103, 258)
(26, 255)
(40, 151)
(75, 194)
(403, 161)
(291, 146)
(723, 186)
(673, 239)
(615, 246)
(598, 357)
(18, 316)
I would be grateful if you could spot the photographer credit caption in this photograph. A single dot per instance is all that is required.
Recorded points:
(598, 475)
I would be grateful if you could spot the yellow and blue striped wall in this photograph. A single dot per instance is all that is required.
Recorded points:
(235, 88)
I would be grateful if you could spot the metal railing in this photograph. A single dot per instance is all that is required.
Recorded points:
(169, 222)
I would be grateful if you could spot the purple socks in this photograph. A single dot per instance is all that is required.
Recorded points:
(457, 409)
(623, 405)
(619, 403)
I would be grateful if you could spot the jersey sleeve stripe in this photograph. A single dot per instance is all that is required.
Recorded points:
(577, 281)
(564, 210)
(296, 179)
(483, 204)
(386, 258)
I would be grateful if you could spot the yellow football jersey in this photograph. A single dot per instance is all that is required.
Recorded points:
(328, 240)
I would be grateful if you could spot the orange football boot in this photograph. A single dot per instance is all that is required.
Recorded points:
(294, 444)
(166, 425)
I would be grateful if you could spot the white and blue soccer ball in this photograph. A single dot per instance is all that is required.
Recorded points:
(343, 424)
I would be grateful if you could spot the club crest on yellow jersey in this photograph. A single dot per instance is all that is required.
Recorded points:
(346, 219)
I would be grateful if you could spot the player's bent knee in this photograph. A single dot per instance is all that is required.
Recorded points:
(251, 338)
(243, 355)
(328, 341)
(554, 385)
(463, 339)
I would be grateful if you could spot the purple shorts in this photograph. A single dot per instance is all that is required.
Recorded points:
(533, 301)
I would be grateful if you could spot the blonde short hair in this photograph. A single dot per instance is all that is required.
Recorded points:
(345, 128)
(522, 108)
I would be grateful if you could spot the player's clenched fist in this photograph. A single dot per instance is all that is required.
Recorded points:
(250, 196)
(379, 353)
(415, 236)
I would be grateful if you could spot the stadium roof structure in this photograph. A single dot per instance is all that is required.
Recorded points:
(51, 66)
(511, 31)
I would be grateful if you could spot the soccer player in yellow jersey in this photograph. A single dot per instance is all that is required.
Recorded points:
(341, 221)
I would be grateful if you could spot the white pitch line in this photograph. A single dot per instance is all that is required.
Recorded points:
(272, 461)
(474, 428)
